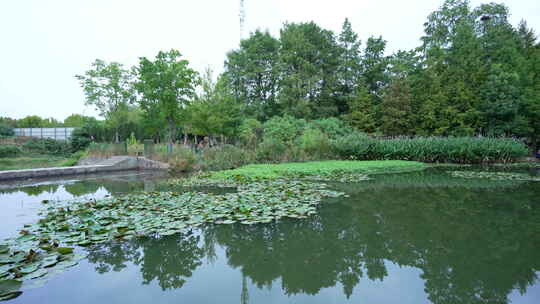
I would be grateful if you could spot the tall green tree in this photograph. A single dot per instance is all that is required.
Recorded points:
(362, 110)
(166, 86)
(397, 117)
(75, 120)
(375, 66)
(253, 75)
(30, 121)
(349, 70)
(530, 82)
(309, 60)
(214, 112)
(109, 88)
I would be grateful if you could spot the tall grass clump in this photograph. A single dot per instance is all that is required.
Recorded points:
(431, 149)
(182, 159)
(106, 149)
(225, 157)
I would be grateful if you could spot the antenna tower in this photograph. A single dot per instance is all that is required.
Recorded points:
(242, 16)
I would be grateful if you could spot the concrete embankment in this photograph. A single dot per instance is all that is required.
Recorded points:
(116, 163)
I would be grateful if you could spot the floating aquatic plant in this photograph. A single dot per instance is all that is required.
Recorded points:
(48, 245)
(494, 175)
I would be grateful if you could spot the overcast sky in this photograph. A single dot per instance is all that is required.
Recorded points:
(44, 43)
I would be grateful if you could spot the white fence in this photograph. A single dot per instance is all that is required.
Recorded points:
(54, 133)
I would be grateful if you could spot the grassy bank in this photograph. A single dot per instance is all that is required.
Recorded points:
(31, 153)
(35, 161)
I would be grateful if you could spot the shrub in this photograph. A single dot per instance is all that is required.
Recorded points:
(6, 130)
(333, 127)
(74, 159)
(80, 139)
(271, 149)
(47, 146)
(9, 150)
(181, 159)
(250, 131)
(225, 157)
(284, 129)
(314, 143)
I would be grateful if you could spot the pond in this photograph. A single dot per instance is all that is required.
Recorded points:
(421, 237)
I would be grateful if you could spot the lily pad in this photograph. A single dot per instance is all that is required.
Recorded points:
(50, 261)
(10, 296)
(8, 287)
(29, 268)
(64, 250)
(36, 274)
(65, 264)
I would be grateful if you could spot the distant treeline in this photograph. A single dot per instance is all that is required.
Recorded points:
(35, 121)
(473, 74)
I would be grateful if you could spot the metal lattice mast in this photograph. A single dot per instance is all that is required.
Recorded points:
(244, 296)
(242, 16)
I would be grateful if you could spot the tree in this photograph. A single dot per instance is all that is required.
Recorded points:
(375, 67)
(349, 68)
(74, 120)
(362, 111)
(6, 130)
(31, 121)
(166, 85)
(396, 110)
(309, 60)
(253, 73)
(214, 111)
(108, 87)
(530, 77)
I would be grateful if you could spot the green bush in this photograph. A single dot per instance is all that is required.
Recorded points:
(80, 139)
(314, 143)
(9, 150)
(250, 131)
(74, 159)
(332, 127)
(181, 160)
(284, 129)
(6, 130)
(225, 157)
(271, 149)
(47, 146)
(430, 149)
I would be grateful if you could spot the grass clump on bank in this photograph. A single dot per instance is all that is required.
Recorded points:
(463, 150)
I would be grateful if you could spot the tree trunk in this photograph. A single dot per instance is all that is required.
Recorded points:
(171, 131)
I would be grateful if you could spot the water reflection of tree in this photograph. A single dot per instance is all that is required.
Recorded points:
(473, 246)
(32, 190)
(168, 260)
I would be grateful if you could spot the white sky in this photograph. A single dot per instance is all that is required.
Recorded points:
(44, 43)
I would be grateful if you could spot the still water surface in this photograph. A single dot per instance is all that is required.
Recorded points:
(420, 237)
